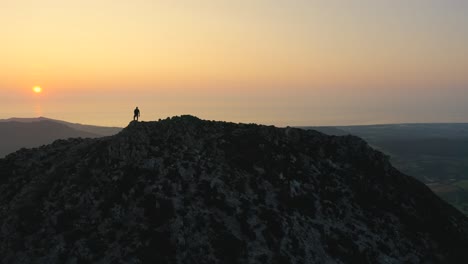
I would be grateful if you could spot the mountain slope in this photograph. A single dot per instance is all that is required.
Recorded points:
(98, 130)
(16, 135)
(436, 154)
(184, 190)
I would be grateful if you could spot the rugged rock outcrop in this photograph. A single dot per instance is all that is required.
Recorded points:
(183, 190)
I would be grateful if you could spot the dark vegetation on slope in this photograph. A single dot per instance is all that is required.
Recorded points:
(436, 154)
(183, 190)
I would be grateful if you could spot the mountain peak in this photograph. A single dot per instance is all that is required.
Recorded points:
(184, 190)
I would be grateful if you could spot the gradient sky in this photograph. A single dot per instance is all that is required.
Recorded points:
(282, 62)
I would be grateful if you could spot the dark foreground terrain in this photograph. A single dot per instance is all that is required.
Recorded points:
(436, 154)
(183, 190)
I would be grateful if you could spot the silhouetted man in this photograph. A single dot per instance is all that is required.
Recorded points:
(136, 114)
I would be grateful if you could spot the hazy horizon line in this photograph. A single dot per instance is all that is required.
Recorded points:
(11, 119)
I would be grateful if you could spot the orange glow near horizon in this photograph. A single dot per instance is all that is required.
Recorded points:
(282, 62)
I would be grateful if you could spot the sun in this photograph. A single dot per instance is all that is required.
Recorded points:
(37, 89)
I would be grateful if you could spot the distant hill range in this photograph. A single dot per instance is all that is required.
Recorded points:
(436, 154)
(17, 133)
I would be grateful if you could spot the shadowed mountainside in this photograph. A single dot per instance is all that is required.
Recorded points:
(17, 133)
(98, 130)
(436, 154)
(183, 190)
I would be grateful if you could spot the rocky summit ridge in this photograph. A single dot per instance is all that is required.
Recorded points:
(185, 190)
